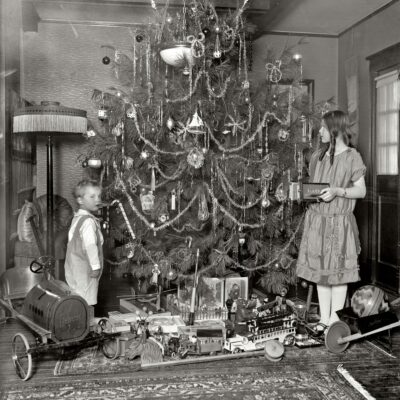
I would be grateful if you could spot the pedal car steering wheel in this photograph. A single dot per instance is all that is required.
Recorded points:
(41, 265)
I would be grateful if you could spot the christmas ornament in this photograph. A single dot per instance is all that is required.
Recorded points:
(127, 162)
(173, 200)
(280, 193)
(265, 203)
(203, 213)
(131, 112)
(217, 54)
(94, 163)
(217, 50)
(259, 150)
(245, 85)
(169, 19)
(147, 201)
(103, 113)
(196, 125)
(163, 218)
(144, 155)
(283, 135)
(106, 60)
(118, 129)
(217, 29)
(226, 131)
(197, 47)
(195, 158)
(170, 123)
(186, 71)
(267, 172)
(139, 38)
(155, 273)
(90, 133)
(274, 73)
(172, 274)
(130, 250)
(206, 31)
(304, 284)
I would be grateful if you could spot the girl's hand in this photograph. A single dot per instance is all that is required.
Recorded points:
(328, 194)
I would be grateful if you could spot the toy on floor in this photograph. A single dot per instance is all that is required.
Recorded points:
(370, 314)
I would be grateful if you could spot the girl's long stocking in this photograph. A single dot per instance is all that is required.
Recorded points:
(339, 294)
(325, 300)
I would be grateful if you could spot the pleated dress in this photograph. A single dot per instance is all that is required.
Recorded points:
(330, 243)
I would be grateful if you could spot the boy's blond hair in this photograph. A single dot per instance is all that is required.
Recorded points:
(80, 188)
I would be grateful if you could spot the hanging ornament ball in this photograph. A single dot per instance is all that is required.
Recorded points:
(283, 135)
(172, 274)
(265, 203)
(106, 60)
(153, 130)
(204, 150)
(169, 19)
(247, 100)
(242, 241)
(139, 38)
(217, 29)
(297, 57)
(170, 123)
(85, 164)
(217, 54)
(144, 155)
(259, 150)
(186, 71)
(304, 284)
(152, 225)
(277, 265)
(206, 31)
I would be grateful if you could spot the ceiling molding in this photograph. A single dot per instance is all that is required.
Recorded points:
(369, 16)
(293, 33)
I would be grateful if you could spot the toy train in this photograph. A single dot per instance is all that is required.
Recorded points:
(204, 341)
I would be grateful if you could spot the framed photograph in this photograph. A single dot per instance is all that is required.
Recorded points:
(236, 288)
(303, 92)
(211, 294)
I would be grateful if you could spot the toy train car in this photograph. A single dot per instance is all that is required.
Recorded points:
(205, 341)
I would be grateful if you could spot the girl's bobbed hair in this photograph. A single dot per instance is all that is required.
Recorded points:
(337, 122)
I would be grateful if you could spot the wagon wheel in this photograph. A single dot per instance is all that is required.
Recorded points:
(336, 331)
(110, 348)
(22, 359)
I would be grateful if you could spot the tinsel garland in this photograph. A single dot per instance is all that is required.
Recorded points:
(228, 214)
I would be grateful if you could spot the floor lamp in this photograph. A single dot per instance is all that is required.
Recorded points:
(50, 119)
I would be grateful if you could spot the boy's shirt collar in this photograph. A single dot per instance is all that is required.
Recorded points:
(81, 212)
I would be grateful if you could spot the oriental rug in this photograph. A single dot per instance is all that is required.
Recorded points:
(240, 385)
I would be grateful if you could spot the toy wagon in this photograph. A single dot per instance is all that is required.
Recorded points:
(58, 319)
(368, 315)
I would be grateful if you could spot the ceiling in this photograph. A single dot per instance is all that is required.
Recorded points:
(318, 17)
(326, 17)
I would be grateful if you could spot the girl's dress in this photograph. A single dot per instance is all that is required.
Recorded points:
(330, 244)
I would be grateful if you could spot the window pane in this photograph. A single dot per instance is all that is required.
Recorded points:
(392, 128)
(392, 160)
(381, 98)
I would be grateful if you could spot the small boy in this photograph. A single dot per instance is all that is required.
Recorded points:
(84, 259)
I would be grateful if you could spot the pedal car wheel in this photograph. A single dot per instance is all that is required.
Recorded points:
(336, 331)
(110, 348)
(22, 359)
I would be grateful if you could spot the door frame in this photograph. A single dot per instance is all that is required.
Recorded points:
(382, 62)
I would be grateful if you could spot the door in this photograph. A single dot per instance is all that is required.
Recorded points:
(386, 181)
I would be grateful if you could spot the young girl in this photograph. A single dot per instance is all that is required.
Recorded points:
(330, 244)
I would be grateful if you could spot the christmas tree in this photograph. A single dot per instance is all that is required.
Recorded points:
(197, 160)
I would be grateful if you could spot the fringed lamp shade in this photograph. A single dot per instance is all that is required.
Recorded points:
(49, 117)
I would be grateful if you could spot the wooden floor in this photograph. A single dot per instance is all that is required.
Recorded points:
(380, 378)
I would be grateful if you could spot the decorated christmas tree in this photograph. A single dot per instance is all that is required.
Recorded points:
(197, 159)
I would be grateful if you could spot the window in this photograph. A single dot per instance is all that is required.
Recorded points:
(387, 123)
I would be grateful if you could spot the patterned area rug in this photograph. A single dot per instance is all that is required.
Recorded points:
(261, 385)
(92, 361)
